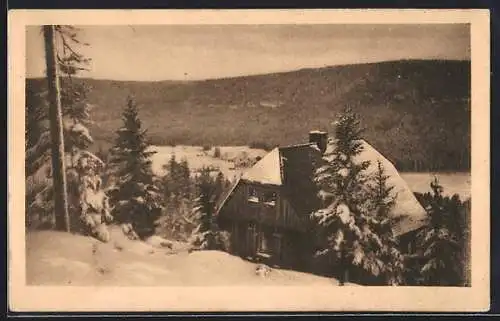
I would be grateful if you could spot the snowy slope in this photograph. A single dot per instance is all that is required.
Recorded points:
(57, 258)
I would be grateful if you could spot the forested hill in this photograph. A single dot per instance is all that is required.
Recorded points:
(417, 113)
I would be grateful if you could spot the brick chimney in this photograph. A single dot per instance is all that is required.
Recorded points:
(320, 138)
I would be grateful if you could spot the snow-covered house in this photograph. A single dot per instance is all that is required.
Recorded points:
(267, 210)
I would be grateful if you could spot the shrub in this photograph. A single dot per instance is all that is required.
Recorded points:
(222, 241)
(207, 147)
(174, 223)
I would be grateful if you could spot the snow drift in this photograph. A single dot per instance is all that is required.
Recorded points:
(58, 258)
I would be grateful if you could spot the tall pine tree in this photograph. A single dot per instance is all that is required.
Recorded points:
(169, 180)
(76, 117)
(82, 165)
(136, 198)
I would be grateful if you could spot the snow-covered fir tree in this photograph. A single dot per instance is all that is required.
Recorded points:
(81, 164)
(168, 179)
(441, 248)
(77, 141)
(206, 235)
(36, 113)
(346, 214)
(184, 177)
(383, 199)
(134, 193)
(74, 103)
(37, 135)
(203, 211)
(177, 182)
(221, 185)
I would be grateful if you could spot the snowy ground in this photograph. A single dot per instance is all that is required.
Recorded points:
(57, 258)
(197, 157)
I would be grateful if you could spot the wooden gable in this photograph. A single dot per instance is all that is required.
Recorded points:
(242, 205)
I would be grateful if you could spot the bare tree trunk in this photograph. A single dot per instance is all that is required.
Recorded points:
(56, 132)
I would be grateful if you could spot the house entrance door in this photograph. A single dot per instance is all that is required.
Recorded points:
(277, 237)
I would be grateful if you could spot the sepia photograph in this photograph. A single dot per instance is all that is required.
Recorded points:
(236, 153)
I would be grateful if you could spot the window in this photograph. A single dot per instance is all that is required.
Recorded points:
(264, 246)
(252, 195)
(265, 242)
(270, 198)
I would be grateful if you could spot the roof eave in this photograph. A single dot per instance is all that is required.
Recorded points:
(410, 230)
(249, 181)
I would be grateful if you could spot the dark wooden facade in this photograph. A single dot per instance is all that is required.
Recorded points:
(270, 222)
(263, 224)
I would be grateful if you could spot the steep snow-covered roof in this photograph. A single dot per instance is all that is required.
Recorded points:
(267, 170)
(410, 213)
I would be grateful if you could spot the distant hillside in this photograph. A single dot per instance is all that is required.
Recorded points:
(417, 113)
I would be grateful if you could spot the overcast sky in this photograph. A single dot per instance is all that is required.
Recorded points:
(201, 52)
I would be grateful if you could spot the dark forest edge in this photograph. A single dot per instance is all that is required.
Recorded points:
(416, 113)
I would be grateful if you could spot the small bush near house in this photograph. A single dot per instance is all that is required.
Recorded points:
(222, 241)
(207, 147)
